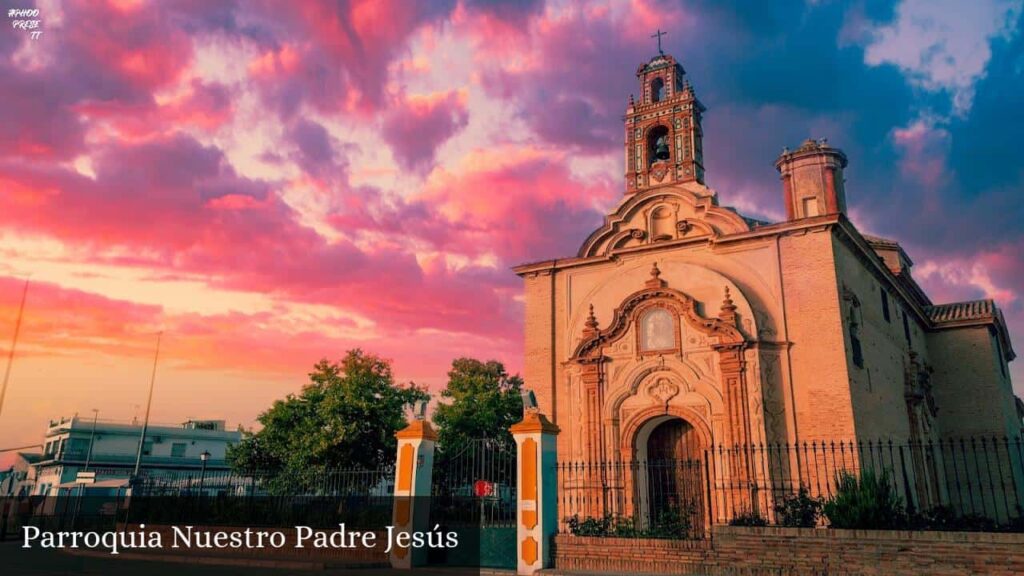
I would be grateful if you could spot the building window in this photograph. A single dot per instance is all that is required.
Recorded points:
(77, 447)
(810, 207)
(178, 450)
(906, 327)
(658, 144)
(858, 353)
(885, 304)
(147, 448)
(657, 90)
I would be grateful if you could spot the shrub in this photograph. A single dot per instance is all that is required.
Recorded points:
(800, 510)
(589, 526)
(868, 502)
(672, 523)
(945, 518)
(748, 518)
(623, 527)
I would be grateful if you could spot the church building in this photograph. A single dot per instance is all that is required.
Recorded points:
(681, 324)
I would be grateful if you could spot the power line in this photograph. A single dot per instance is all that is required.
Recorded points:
(19, 448)
(14, 343)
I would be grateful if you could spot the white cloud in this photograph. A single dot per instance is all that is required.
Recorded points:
(943, 44)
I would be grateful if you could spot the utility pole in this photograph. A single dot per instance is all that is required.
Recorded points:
(88, 459)
(149, 404)
(92, 438)
(14, 343)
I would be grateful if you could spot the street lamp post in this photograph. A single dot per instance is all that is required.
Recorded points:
(202, 473)
(92, 438)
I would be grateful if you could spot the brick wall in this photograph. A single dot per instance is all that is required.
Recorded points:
(798, 551)
(630, 555)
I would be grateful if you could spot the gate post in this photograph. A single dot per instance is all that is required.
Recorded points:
(414, 467)
(536, 486)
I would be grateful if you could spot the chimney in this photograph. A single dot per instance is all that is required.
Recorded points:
(812, 180)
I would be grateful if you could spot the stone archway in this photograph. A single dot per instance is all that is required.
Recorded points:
(667, 479)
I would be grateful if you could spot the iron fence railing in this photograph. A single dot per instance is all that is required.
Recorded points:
(475, 484)
(323, 482)
(955, 483)
(319, 498)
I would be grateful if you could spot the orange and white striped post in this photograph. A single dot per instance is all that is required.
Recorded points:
(537, 514)
(414, 468)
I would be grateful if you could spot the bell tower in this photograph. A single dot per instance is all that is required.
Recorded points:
(663, 133)
(812, 180)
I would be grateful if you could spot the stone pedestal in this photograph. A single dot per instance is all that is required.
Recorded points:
(413, 476)
(536, 484)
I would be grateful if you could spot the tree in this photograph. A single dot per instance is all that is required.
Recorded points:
(484, 402)
(346, 416)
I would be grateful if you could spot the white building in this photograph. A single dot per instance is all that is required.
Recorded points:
(168, 450)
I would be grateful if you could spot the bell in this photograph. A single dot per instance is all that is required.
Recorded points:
(661, 149)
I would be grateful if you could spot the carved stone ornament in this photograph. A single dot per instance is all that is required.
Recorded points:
(663, 390)
(659, 170)
(655, 293)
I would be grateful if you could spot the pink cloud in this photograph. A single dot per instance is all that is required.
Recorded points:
(64, 321)
(517, 203)
(925, 147)
(335, 56)
(565, 75)
(180, 204)
(417, 125)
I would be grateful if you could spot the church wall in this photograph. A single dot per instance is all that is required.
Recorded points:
(538, 350)
(972, 394)
(697, 270)
(821, 392)
(877, 387)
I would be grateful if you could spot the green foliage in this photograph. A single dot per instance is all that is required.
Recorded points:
(799, 510)
(671, 523)
(482, 402)
(748, 518)
(346, 417)
(868, 502)
(590, 526)
(945, 518)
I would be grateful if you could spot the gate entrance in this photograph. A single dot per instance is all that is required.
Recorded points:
(474, 494)
(674, 480)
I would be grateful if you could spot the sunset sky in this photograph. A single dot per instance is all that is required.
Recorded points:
(270, 183)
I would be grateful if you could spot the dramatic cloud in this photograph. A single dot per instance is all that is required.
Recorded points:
(944, 45)
(269, 184)
(416, 126)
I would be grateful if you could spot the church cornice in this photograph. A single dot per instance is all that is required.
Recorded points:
(900, 286)
(753, 234)
(715, 220)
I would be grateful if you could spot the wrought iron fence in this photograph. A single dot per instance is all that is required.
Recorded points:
(475, 484)
(956, 483)
(320, 498)
(313, 482)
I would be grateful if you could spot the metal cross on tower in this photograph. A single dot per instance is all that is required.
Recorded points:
(658, 35)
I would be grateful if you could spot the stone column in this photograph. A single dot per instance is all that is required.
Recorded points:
(414, 467)
(536, 485)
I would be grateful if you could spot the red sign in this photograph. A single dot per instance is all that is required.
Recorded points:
(483, 488)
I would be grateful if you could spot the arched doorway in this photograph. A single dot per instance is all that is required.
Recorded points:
(672, 480)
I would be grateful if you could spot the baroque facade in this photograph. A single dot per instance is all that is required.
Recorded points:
(681, 324)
